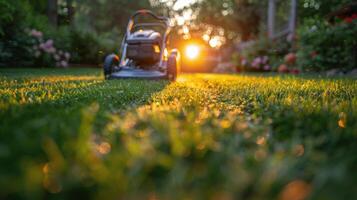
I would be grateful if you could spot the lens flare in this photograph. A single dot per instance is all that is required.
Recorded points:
(192, 51)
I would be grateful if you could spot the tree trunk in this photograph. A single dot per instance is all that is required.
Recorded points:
(271, 18)
(292, 21)
(70, 11)
(52, 12)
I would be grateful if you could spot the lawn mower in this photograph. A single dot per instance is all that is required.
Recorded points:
(144, 50)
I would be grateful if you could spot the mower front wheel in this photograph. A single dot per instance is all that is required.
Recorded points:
(110, 62)
(173, 66)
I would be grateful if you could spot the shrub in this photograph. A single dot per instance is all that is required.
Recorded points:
(262, 55)
(19, 46)
(324, 47)
(85, 47)
(45, 53)
(14, 41)
(90, 47)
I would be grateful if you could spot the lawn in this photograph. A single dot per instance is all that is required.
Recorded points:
(68, 134)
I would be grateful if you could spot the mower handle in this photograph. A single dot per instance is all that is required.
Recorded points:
(148, 12)
(131, 24)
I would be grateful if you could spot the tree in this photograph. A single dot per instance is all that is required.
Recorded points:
(52, 12)
(70, 11)
(239, 17)
(107, 15)
(319, 8)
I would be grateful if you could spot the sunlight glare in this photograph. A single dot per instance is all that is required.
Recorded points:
(192, 51)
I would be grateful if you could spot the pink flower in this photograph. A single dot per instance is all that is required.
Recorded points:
(49, 44)
(283, 69)
(64, 63)
(267, 68)
(51, 50)
(258, 60)
(36, 34)
(290, 58)
(42, 46)
(256, 63)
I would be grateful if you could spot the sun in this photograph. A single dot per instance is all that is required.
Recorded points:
(192, 51)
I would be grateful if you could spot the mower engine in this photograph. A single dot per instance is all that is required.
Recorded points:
(144, 47)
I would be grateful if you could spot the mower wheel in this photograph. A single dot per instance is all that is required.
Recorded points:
(173, 67)
(110, 62)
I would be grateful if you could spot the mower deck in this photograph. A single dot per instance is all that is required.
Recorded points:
(130, 73)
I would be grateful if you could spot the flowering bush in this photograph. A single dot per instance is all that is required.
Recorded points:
(46, 53)
(289, 65)
(263, 55)
(324, 46)
(260, 63)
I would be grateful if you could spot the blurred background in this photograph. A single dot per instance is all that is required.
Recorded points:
(227, 35)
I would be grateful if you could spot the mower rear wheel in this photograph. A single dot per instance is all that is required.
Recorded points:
(110, 62)
(172, 67)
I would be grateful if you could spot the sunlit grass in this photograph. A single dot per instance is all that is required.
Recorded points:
(203, 137)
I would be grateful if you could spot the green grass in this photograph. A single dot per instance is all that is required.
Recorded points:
(69, 134)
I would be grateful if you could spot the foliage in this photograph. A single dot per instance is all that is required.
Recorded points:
(318, 9)
(324, 46)
(16, 44)
(85, 47)
(6, 10)
(106, 15)
(69, 134)
(238, 18)
(87, 41)
(45, 52)
(14, 41)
